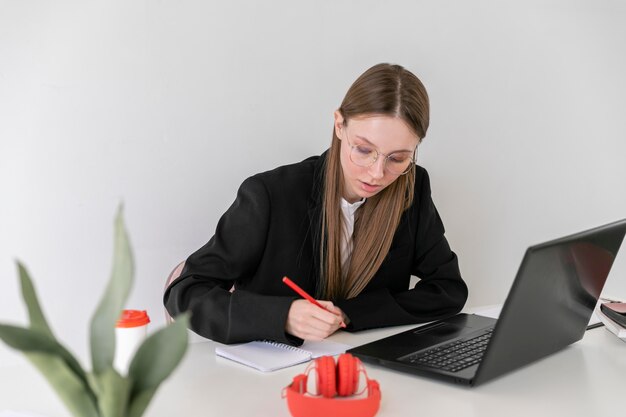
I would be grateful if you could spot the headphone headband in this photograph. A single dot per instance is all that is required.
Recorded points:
(302, 405)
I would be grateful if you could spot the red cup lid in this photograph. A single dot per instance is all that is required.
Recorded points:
(133, 318)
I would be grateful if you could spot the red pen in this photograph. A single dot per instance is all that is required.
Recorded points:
(307, 297)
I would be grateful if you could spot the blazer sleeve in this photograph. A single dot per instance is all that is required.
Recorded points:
(440, 292)
(232, 255)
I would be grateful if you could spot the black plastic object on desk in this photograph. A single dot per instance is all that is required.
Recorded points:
(615, 311)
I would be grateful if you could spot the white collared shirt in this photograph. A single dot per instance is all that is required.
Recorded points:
(347, 245)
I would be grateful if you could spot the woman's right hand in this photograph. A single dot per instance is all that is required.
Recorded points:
(309, 322)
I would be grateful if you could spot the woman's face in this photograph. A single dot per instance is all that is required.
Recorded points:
(385, 134)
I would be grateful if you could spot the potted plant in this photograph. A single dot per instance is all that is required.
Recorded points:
(102, 392)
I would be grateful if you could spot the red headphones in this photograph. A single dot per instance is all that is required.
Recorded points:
(341, 380)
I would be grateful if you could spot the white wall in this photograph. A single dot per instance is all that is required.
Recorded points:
(168, 105)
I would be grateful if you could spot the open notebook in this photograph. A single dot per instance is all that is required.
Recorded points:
(269, 356)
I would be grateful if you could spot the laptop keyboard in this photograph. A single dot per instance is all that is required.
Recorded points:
(453, 356)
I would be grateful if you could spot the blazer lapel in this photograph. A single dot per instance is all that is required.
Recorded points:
(315, 219)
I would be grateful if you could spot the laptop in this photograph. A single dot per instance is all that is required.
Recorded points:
(548, 308)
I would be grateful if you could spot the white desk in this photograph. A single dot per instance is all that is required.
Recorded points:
(586, 379)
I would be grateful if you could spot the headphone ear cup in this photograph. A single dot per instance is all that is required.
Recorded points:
(347, 375)
(326, 378)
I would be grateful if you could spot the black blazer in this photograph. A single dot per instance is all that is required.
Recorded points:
(272, 230)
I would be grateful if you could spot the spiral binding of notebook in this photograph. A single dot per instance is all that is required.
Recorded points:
(266, 355)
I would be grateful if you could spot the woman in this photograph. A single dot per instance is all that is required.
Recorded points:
(350, 227)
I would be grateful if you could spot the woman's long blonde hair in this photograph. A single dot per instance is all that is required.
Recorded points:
(384, 89)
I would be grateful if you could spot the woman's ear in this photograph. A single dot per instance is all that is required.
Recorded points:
(339, 126)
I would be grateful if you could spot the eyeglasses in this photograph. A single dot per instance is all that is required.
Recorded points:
(397, 163)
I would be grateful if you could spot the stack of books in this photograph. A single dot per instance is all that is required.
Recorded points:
(613, 316)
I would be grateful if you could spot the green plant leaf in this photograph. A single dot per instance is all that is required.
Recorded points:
(34, 341)
(155, 360)
(140, 403)
(113, 391)
(70, 389)
(29, 340)
(102, 332)
(35, 314)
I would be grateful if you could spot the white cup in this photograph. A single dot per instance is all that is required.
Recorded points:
(130, 331)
